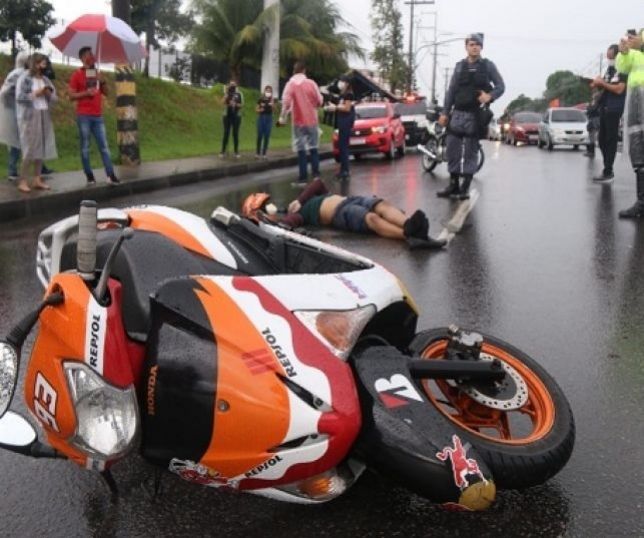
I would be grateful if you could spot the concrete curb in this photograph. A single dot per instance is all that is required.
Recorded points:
(69, 200)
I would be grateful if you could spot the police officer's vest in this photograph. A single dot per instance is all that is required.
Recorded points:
(472, 79)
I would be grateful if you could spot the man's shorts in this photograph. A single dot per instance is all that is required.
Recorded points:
(350, 214)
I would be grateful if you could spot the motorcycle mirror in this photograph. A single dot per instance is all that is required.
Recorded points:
(16, 431)
(8, 374)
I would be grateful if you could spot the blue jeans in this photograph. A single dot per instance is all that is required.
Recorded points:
(14, 157)
(93, 125)
(264, 125)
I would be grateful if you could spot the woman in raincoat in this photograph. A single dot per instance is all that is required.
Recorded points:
(34, 96)
(630, 60)
(8, 120)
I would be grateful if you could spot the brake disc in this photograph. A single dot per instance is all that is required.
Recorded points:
(507, 395)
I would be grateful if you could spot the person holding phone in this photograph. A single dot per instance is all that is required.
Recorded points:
(630, 61)
(264, 109)
(34, 96)
(87, 86)
(233, 101)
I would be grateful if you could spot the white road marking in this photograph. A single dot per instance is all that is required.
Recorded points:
(455, 224)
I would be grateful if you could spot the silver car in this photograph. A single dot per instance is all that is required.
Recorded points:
(563, 126)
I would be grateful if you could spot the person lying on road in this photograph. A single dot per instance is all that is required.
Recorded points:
(316, 206)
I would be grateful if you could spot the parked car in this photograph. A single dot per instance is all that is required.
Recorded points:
(524, 128)
(377, 129)
(563, 126)
(494, 130)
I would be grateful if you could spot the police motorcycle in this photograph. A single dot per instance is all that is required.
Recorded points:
(246, 357)
(434, 151)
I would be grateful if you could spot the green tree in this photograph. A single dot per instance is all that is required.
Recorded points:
(388, 53)
(567, 87)
(159, 20)
(233, 32)
(525, 103)
(29, 18)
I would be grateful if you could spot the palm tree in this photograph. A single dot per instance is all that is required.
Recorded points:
(233, 31)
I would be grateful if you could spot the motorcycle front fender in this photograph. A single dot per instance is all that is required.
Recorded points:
(406, 438)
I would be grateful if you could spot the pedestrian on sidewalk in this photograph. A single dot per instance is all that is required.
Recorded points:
(35, 94)
(630, 60)
(345, 116)
(9, 134)
(301, 99)
(610, 106)
(361, 214)
(87, 86)
(233, 101)
(475, 83)
(265, 106)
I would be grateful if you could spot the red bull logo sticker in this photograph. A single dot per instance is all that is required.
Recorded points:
(462, 466)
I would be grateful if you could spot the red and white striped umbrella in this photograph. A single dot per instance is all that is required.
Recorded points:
(110, 38)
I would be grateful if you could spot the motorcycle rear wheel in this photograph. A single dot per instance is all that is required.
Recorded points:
(522, 447)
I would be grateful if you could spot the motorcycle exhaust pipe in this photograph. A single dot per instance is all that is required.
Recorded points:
(424, 150)
(86, 246)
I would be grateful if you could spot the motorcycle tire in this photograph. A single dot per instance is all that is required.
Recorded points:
(515, 462)
(428, 163)
(481, 158)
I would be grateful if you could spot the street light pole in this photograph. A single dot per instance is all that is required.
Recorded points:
(271, 51)
(412, 3)
(435, 57)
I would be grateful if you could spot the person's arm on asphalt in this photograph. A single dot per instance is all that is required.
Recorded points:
(315, 188)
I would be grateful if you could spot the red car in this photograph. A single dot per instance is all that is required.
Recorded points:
(524, 128)
(377, 129)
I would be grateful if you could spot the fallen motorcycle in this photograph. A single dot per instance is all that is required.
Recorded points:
(434, 151)
(248, 357)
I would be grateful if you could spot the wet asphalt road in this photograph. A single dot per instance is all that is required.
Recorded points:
(542, 262)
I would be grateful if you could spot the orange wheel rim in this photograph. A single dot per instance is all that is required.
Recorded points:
(538, 412)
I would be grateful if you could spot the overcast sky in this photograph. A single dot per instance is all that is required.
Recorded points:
(527, 40)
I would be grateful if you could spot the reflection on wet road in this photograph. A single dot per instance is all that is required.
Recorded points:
(542, 262)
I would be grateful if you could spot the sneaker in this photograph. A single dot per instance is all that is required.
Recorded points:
(222, 155)
(112, 180)
(237, 155)
(12, 177)
(91, 180)
(464, 196)
(265, 157)
(604, 177)
(257, 156)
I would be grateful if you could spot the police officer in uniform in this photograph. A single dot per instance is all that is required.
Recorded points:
(476, 82)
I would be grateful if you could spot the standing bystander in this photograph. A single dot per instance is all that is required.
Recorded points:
(87, 86)
(8, 121)
(476, 82)
(630, 60)
(264, 110)
(610, 107)
(233, 100)
(301, 99)
(345, 115)
(34, 97)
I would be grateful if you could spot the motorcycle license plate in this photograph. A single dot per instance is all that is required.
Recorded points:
(357, 141)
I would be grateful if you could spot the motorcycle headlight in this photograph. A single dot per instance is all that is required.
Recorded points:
(8, 375)
(107, 417)
(338, 329)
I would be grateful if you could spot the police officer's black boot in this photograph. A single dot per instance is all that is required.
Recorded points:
(636, 211)
(452, 189)
(464, 193)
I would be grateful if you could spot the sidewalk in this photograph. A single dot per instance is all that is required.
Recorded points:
(68, 189)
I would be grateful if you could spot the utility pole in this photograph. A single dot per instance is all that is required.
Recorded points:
(446, 81)
(411, 4)
(271, 51)
(435, 56)
(127, 128)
